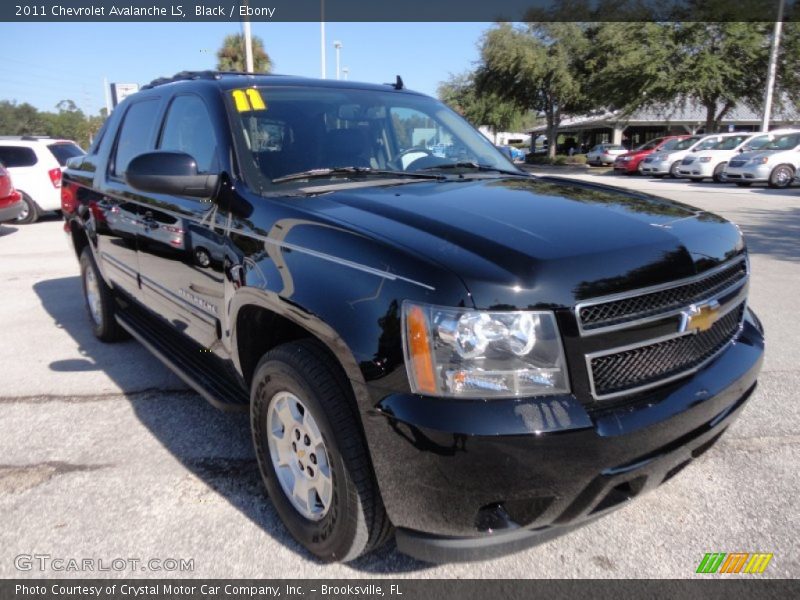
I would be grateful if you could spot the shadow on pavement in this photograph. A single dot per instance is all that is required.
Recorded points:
(773, 232)
(6, 229)
(214, 446)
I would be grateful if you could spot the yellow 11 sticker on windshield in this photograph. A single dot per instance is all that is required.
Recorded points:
(248, 99)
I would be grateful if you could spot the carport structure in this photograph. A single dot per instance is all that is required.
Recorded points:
(640, 126)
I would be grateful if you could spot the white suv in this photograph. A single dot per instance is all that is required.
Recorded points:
(776, 163)
(35, 164)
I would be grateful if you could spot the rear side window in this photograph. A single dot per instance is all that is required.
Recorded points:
(188, 129)
(135, 134)
(17, 156)
(63, 152)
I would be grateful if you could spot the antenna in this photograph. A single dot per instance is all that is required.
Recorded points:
(398, 84)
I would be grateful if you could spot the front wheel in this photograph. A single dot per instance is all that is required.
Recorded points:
(312, 454)
(719, 173)
(781, 176)
(673, 170)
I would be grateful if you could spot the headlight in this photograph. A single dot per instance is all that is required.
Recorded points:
(482, 354)
(625, 158)
(705, 159)
(760, 160)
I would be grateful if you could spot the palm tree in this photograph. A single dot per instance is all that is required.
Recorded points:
(231, 56)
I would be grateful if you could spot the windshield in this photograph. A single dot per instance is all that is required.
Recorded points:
(685, 143)
(729, 143)
(670, 144)
(708, 143)
(295, 134)
(784, 142)
(652, 144)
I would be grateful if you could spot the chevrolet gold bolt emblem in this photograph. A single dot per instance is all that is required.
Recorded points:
(301, 453)
(700, 317)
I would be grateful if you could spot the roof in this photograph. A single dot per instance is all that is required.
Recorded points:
(677, 113)
(228, 80)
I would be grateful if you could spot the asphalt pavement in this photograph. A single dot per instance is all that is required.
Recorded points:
(104, 454)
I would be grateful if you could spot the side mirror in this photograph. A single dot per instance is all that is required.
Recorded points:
(741, 150)
(175, 173)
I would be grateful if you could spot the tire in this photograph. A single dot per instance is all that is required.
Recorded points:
(99, 301)
(673, 170)
(743, 183)
(30, 212)
(202, 257)
(719, 173)
(301, 378)
(781, 177)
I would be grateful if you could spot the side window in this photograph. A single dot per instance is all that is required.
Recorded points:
(134, 136)
(188, 129)
(17, 156)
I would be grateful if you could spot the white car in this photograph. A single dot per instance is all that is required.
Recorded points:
(604, 154)
(712, 161)
(660, 164)
(775, 163)
(35, 164)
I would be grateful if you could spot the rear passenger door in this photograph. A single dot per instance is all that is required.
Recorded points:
(182, 239)
(118, 218)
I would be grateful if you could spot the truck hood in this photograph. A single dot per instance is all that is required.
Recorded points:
(527, 242)
(760, 153)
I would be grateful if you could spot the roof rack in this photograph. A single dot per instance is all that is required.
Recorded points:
(194, 75)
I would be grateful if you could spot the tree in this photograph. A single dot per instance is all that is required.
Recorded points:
(231, 56)
(537, 66)
(714, 65)
(461, 94)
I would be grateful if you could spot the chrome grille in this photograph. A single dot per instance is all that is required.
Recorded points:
(602, 314)
(618, 372)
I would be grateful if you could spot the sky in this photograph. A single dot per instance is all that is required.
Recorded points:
(50, 62)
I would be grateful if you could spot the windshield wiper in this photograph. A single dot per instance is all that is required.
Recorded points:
(473, 165)
(359, 171)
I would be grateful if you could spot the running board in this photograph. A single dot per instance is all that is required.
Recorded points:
(185, 358)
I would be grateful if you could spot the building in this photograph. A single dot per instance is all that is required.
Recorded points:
(648, 123)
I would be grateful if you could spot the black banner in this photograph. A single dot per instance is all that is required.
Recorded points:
(404, 10)
(397, 589)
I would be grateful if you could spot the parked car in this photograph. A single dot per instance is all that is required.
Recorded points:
(36, 163)
(630, 162)
(604, 154)
(775, 163)
(10, 199)
(450, 350)
(711, 163)
(667, 162)
(512, 153)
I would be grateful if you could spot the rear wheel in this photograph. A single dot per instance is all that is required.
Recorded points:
(312, 454)
(781, 176)
(719, 173)
(99, 301)
(30, 210)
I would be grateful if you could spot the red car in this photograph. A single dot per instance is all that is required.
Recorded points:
(629, 163)
(10, 199)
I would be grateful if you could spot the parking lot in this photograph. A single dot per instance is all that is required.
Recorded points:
(105, 454)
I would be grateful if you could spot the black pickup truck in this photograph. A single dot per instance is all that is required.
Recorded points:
(431, 343)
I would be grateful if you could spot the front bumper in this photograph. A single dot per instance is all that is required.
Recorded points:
(466, 480)
(656, 168)
(756, 174)
(630, 166)
(697, 169)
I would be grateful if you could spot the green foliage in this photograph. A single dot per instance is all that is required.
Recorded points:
(461, 94)
(558, 159)
(231, 56)
(715, 65)
(538, 66)
(69, 122)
